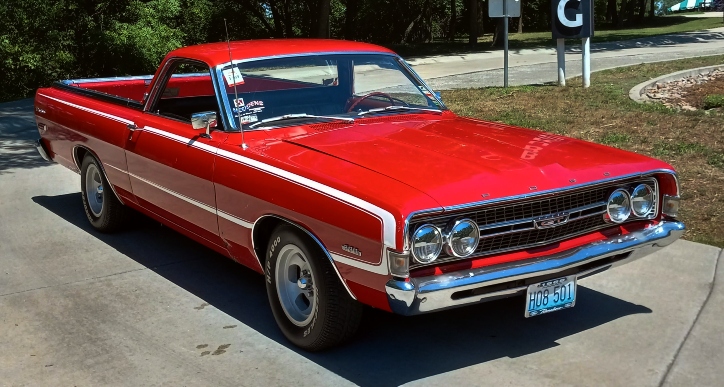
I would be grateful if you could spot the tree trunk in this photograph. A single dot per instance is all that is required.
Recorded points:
(642, 10)
(652, 9)
(323, 27)
(520, 20)
(350, 19)
(499, 31)
(473, 9)
(288, 30)
(612, 12)
(453, 20)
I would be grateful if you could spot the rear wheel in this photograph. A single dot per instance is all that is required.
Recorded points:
(104, 211)
(309, 303)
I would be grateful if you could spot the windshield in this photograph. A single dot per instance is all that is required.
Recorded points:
(285, 91)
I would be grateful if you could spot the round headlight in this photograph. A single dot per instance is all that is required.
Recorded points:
(426, 243)
(619, 206)
(642, 200)
(463, 238)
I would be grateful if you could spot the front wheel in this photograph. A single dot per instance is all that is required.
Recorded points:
(309, 304)
(104, 211)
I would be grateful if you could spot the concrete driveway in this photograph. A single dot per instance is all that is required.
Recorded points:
(150, 307)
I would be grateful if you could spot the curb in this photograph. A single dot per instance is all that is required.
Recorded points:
(637, 93)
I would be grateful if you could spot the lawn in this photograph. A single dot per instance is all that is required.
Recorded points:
(659, 26)
(693, 142)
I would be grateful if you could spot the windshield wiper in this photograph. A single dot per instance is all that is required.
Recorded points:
(397, 107)
(299, 115)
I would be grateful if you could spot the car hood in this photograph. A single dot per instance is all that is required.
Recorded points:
(458, 160)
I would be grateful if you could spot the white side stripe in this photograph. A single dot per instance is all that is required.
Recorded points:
(388, 221)
(389, 226)
(377, 269)
(227, 216)
(106, 115)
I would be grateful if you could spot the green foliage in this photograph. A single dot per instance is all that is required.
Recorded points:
(145, 33)
(714, 101)
(41, 42)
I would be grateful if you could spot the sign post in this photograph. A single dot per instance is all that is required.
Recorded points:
(573, 19)
(561, 53)
(504, 9)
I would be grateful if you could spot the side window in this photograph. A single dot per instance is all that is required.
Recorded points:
(187, 90)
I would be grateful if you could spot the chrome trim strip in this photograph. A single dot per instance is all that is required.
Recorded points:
(103, 168)
(433, 293)
(41, 149)
(183, 197)
(314, 238)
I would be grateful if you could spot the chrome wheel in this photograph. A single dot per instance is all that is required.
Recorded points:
(94, 189)
(295, 285)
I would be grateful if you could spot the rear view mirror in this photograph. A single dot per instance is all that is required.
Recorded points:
(204, 120)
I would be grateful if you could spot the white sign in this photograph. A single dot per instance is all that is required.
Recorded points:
(495, 8)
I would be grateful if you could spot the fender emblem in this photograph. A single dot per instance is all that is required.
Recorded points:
(551, 221)
(352, 250)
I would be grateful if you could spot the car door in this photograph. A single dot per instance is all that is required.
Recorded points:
(171, 165)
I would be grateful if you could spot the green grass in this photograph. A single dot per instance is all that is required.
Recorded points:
(714, 101)
(659, 26)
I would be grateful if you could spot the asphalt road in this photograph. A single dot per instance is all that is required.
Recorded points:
(150, 307)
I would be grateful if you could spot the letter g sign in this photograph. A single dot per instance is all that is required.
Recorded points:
(566, 21)
(572, 18)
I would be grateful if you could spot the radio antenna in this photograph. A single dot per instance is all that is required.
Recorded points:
(236, 92)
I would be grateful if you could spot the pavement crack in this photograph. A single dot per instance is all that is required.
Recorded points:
(97, 277)
(671, 364)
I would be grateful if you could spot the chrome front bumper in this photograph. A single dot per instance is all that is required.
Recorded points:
(41, 149)
(433, 293)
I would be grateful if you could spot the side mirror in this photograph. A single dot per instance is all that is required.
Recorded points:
(204, 120)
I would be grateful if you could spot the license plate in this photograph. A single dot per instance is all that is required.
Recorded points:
(550, 296)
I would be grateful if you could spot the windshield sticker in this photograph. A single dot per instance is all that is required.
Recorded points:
(233, 77)
(248, 119)
(241, 109)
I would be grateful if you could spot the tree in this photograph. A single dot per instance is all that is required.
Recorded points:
(473, 29)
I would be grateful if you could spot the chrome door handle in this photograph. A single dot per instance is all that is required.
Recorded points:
(132, 127)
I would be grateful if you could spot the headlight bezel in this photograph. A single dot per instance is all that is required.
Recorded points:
(438, 249)
(449, 235)
(626, 214)
(651, 203)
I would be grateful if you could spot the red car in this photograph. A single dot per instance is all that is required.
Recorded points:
(332, 169)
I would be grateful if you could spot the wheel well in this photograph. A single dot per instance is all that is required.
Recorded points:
(262, 231)
(79, 153)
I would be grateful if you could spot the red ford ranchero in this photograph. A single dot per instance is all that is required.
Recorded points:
(334, 170)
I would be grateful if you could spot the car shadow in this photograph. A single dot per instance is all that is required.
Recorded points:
(17, 136)
(389, 349)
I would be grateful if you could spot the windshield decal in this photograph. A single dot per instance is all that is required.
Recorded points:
(233, 77)
(245, 109)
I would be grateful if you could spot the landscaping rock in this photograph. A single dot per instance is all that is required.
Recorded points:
(673, 94)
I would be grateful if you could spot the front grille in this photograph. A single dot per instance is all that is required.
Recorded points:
(512, 226)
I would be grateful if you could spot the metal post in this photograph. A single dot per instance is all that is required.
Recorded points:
(586, 43)
(561, 51)
(505, 43)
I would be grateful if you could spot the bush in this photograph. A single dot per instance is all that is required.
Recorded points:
(714, 101)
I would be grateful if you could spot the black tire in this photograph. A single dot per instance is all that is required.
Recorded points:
(112, 215)
(336, 316)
